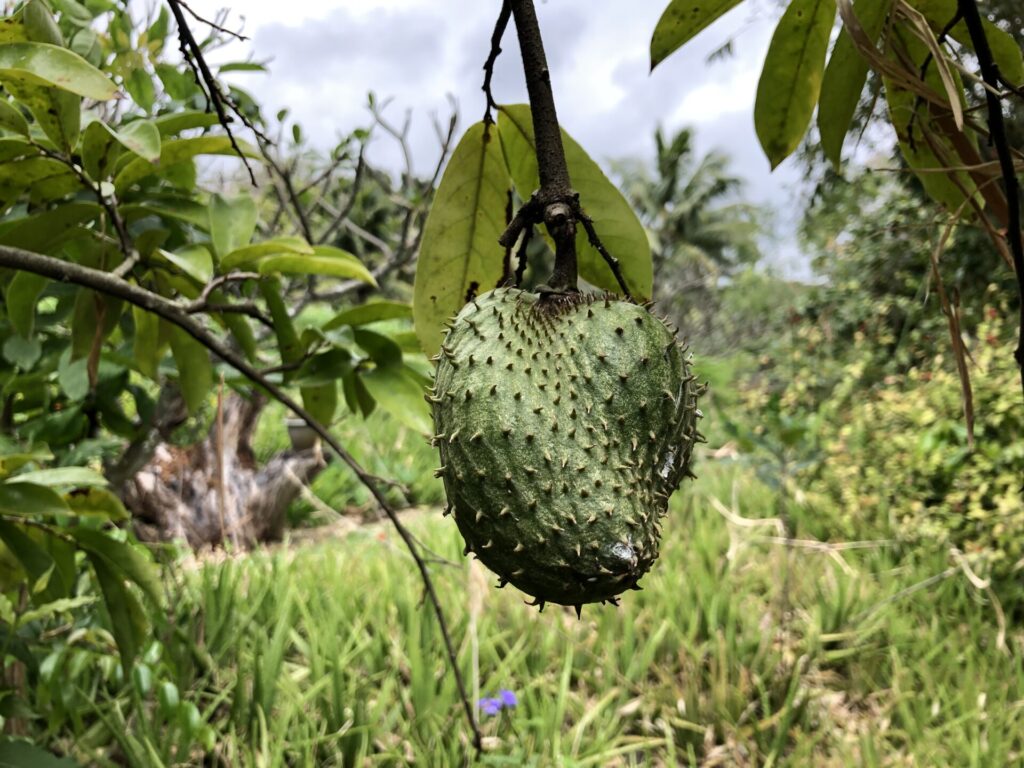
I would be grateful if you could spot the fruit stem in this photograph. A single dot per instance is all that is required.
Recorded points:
(556, 191)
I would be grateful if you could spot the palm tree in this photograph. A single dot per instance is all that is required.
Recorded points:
(699, 229)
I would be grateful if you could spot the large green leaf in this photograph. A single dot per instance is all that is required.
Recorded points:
(232, 222)
(400, 393)
(19, 754)
(139, 137)
(614, 220)
(26, 499)
(11, 118)
(369, 313)
(22, 294)
(844, 79)
(194, 260)
(74, 477)
(38, 564)
(791, 78)
(54, 67)
(126, 558)
(146, 348)
(195, 373)
(30, 173)
(681, 20)
(326, 260)
(96, 502)
(176, 122)
(250, 255)
(459, 251)
(127, 618)
(41, 230)
(173, 152)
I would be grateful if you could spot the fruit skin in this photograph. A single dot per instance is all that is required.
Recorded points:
(564, 423)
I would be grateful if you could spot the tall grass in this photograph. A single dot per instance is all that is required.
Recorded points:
(324, 655)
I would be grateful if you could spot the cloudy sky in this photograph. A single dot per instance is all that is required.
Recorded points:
(325, 55)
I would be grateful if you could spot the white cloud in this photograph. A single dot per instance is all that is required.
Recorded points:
(327, 54)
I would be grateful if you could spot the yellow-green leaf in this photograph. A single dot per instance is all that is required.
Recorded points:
(173, 152)
(54, 67)
(614, 220)
(195, 373)
(791, 78)
(844, 79)
(249, 255)
(232, 222)
(681, 21)
(25, 499)
(326, 260)
(369, 313)
(459, 252)
(11, 118)
(194, 260)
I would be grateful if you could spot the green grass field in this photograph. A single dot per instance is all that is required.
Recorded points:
(738, 652)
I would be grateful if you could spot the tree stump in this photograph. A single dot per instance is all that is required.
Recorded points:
(214, 492)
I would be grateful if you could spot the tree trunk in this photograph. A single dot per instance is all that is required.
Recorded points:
(214, 492)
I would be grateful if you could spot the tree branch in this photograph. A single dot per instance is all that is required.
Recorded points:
(499, 32)
(997, 131)
(104, 282)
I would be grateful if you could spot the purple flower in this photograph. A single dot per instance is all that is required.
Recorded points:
(508, 698)
(490, 706)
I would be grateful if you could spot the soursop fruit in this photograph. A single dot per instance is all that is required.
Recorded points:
(564, 423)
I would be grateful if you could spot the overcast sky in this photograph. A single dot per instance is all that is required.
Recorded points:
(325, 55)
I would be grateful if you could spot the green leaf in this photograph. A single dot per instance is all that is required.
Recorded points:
(54, 67)
(146, 348)
(46, 610)
(22, 352)
(249, 255)
(791, 78)
(96, 502)
(139, 85)
(681, 21)
(37, 563)
(844, 79)
(321, 401)
(11, 462)
(139, 137)
(382, 350)
(12, 119)
(173, 152)
(176, 122)
(31, 172)
(42, 230)
(460, 247)
(369, 313)
(195, 372)
(127, 619)
(614, 220)
(327, 367)
(401, 395)
(18, 754)
(22, 296)
(61, 476)
(232, 222)
(326, 260)
(194, 260)
(25, 498)
(126, 558)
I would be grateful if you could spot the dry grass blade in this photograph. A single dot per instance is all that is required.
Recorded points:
(953, 319)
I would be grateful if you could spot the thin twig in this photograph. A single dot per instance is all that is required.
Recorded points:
(499, 32)
(104, 282)
(205, 79)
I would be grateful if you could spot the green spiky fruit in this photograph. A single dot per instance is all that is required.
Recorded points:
(564, 423)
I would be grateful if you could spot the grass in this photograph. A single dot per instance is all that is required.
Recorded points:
(738, 651)
(323, 655)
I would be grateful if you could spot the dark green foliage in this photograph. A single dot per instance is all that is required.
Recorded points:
(564, 423)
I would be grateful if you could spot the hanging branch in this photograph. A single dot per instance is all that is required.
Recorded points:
(555, 204)
(176, 314)
(997, 133)
(499, 32)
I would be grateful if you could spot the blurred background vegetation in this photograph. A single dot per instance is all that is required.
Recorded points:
(841, 586)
